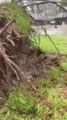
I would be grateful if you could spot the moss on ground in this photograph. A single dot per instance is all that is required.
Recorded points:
(14, 11)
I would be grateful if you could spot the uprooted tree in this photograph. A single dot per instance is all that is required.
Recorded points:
(11, 40)
(19, 58)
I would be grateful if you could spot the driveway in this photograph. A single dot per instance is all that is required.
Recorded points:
(51, 30)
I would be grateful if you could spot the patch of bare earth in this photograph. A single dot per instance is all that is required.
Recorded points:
(63, 92)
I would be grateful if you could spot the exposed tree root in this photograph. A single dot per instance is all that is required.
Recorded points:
(15, 68)
(7, 25)
(20, 59)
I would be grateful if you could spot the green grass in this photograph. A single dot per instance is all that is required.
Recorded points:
(23, 103)
(54, 73)
(64, 66)
(46, 45)
(21, 107)
(14, 11)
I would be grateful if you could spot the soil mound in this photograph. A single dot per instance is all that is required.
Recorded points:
(19, 58)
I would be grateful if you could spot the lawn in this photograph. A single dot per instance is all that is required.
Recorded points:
(49, 102)
(46, 45)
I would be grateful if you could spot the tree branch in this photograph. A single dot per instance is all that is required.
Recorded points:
(46, 2)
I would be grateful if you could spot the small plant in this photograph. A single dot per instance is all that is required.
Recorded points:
(56, 99)
(20, 107)
(55, 72)
(65, 116)
(64, 66)
(58, 104)
(57, 116)
(23, 104)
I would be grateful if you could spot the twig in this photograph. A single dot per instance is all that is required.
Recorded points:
(51, 40)
(44, 29)
(31, 84)
(35, 89)
(46, 2)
